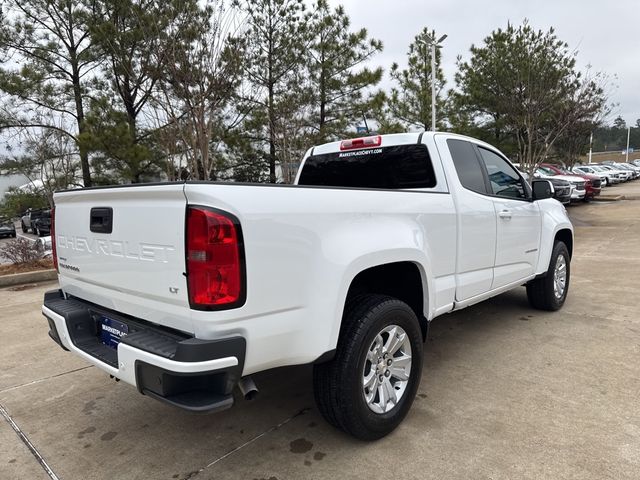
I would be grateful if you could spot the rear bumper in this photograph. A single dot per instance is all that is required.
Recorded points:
(189, 373)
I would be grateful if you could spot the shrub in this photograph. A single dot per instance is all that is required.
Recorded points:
(21, 251)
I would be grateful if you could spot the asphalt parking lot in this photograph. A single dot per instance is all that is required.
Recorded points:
(507, 392)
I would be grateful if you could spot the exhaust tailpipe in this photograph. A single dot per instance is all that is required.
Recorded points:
(248, 388)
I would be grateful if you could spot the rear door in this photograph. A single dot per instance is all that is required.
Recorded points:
(476, 238)
(518, 220)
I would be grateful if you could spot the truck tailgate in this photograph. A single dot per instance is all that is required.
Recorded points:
(123, 248)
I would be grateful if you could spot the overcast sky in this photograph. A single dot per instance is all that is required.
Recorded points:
(606, 33)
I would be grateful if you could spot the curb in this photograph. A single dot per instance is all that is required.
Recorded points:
(28, 277)
(608, 198)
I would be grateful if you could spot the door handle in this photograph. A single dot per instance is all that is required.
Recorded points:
(506, 214)
(101, 220)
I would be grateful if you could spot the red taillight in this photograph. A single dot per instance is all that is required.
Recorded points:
(54, 252)
(215, 271)
(364, 142)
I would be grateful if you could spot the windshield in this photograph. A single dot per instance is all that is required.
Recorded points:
(546, 171)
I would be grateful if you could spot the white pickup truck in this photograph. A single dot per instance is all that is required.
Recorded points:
(184, 290)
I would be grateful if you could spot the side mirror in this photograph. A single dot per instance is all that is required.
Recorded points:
(542, 189)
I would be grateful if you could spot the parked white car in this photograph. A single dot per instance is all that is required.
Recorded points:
(623, 173)
(604, 177)
(621, 176)
(186, 290)
(631, 167)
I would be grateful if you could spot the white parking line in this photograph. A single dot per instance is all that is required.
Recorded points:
(28, 238)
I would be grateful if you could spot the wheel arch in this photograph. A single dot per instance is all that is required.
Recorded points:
(555, 226)
(565, 235)
(404, 280)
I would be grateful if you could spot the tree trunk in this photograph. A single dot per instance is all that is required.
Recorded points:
(323, 96)
(272, 122)
(272, 138)
(77, 94)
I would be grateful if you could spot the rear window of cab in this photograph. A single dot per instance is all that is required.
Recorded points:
(390, 168)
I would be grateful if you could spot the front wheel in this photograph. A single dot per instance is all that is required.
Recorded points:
(24, 228)
(369, 386)
(550, 292)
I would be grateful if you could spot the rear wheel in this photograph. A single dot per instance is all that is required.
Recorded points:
(369, 386)
(550, 292)
(24, 227)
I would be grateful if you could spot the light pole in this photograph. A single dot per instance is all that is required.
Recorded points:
(433, 44)
(590, 147)
(627, 150)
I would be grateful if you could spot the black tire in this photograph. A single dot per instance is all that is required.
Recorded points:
(540, 292)
(338, 386)
(24, 228)
(14, 234)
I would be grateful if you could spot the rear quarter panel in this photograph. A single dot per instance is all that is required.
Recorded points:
(304, 246)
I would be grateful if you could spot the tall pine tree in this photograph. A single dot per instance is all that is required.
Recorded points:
(339, 83)
(523, 84)
(133, 38)
(277, 40)
(47, 61)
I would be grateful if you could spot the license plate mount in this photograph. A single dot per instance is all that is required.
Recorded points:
(111, 331)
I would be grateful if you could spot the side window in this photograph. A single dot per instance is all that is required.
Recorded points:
(467, 165)
(505, 181)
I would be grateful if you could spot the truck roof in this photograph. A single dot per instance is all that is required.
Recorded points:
(392, 139)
